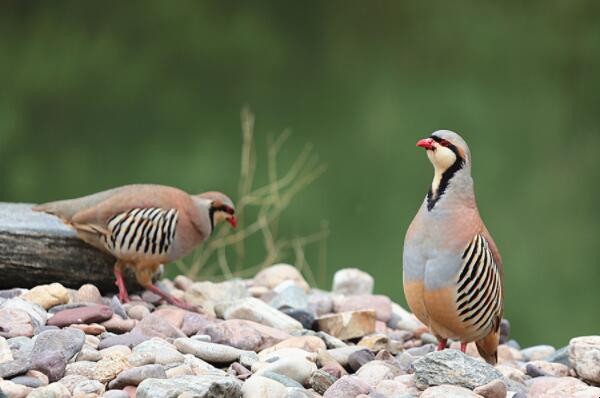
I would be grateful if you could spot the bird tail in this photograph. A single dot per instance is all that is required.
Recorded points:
(59, 208)
(488, 347)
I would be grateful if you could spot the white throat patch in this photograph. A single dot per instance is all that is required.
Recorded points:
(441, 158)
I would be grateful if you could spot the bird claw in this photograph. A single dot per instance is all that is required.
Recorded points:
(174, 300)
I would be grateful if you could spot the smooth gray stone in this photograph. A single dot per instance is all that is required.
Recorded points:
(286, 381)
(205, 386)
(452, 367)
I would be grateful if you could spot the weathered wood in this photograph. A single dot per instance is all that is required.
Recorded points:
(37, 248)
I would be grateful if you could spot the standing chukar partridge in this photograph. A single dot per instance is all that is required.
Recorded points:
(453, 275)
(144, 226)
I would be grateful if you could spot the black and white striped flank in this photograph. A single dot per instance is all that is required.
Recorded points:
(146, 231)
(479, 300)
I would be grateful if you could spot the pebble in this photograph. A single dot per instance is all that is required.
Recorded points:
(341, 355)
(400, 386)
(116, 306)
(163, 352)
(376, 371)
(263, 387)
(138, 312)
(320, 302)
(5, 352)
(47, 295)
(320, 380)
(348, 325)
(381, 304)
(134, 376)
(194, 323)
(347, 386)
(20, 347)
(452, 367)
(118, 324)
(584, 354)
(493, 389)
(91, 329)
(377, 342)
(108, 369)
(446, 391)
(272, 276)
(27, 381)
(156, 326)
(92, 314)
(295, 367)
(88, 293)
(256, 310)
(115, 394)
(350, 281)
(555, 387)
(67, 342)
(551, 369)
(404, 320)
(14, 390)
(210, 352)
(15, 322)
(358, 358)
(50, 363)
(54, 390)
(538, 352)
(561, 356)
(291, 296)
(207, 385)
(306, 343)
(245, 335)
(283, 379)
(207, 294)
(91, 387)
(305, 317)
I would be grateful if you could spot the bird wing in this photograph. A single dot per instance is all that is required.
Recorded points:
(128, 198)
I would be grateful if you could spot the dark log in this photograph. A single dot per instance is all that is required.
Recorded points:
(38, 248)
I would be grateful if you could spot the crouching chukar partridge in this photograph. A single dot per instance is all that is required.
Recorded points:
(144, 226)
(453, 275)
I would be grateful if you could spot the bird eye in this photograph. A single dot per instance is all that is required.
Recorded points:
(444, 143)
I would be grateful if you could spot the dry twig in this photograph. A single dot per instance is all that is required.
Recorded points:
(268, 202)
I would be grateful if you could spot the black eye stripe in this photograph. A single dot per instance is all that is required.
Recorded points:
(450, 146)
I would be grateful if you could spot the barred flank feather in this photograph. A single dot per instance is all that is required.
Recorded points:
(147, 231)
(480, 286)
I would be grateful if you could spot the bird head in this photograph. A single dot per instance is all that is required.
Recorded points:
(220, 208)
(444, 149)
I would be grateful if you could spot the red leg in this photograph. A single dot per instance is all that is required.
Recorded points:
(120, 282)
(463, 347)
(442, 344)
(171, 299)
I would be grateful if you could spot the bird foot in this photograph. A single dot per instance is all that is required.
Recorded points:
(172, 299)
(463, 347)
(441, 345)
(120, 282)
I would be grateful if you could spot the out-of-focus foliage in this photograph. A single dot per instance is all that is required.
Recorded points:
(99, 94)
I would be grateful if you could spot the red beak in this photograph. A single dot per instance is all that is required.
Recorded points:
(232, 221)
(426, 143)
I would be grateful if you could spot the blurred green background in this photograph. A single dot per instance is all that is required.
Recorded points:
(102, 94)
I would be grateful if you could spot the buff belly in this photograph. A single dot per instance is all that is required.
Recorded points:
(437, 309)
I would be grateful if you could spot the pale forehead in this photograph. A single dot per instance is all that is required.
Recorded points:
(217, 196)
